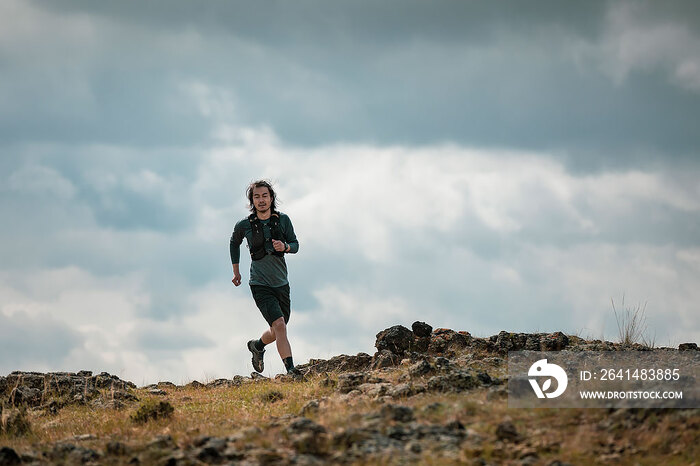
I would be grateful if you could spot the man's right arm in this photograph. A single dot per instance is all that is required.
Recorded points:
(235, 252)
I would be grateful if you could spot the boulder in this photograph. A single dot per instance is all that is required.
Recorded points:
(397, 339)
(421, 329)
(341, 363)
(688, 347)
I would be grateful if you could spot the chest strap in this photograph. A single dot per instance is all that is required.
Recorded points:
(257, 246)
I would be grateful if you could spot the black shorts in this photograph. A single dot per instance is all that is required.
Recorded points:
(272, 302)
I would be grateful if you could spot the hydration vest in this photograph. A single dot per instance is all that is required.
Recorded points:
(257, 245)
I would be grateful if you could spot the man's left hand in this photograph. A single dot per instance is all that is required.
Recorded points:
(278, 245)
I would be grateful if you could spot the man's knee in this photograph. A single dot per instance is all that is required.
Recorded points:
(278, 326)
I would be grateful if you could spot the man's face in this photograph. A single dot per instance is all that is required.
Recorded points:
(261, 199)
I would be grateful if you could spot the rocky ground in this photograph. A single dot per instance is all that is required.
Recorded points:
(429, 396)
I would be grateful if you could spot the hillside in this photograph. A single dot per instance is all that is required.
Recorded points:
(425, 396)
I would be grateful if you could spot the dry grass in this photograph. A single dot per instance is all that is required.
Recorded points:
(632, 324)
(569, 435)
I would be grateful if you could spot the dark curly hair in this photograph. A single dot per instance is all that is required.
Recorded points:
(261, 184)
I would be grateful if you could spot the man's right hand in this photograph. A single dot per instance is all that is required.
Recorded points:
(236, 279)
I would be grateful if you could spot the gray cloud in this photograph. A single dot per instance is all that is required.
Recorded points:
(479, 166)
(484, 75)
(37, 343)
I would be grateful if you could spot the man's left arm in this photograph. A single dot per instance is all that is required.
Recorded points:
(289, 237)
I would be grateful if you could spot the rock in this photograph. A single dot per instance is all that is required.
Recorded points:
(342, 363)
(195, 384)
(162, 442)
(414, 447)
(9, 457)
(166, 386)
(71, 454)
(444, 339)
(421, 329)
(507, 431)
(508, 341)
(307, 436)
(121, 395)
(396, 339)
(553, 342)
(375, 389)
(397, 413)
(235, 382)
(351, 436)
(35, 388)
(484, 378)
(421, 344)
(688, 347)
(443, 364)
(350, 381)
(108, 381)
(455, 382)
(384, 358)
(115, 449)
(310, 408)
(157, 392)
(420, 368)
(23, 395)
(211, 450)
(402, 390)
(264, 457)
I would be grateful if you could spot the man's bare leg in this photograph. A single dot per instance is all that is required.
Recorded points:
(279, 334)
(268, 336)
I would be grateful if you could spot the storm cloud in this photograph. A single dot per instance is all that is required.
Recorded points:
(481, 166)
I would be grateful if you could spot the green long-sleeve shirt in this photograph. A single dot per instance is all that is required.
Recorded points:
(271, 270)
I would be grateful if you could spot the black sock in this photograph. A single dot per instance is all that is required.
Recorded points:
(288, 363)
(259, 345)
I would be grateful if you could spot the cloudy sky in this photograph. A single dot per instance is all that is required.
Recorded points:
(476, 165)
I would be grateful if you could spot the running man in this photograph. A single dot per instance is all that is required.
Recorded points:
(270, 236)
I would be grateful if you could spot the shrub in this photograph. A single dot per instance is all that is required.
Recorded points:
(15, 422)
(152, 409)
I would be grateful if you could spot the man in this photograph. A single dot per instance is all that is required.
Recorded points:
(270, 236)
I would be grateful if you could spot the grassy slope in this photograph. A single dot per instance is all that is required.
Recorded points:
(578, 436)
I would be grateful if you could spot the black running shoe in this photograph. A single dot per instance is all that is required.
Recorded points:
(295, 373)
(258, 363)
